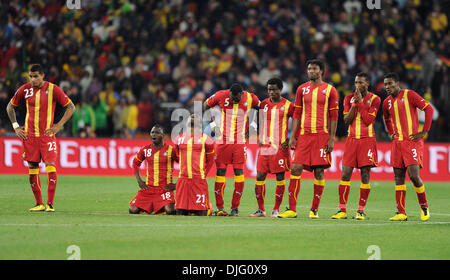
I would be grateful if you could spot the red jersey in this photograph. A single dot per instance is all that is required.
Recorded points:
(365, 113)
(400, 113)
(313, 106)
(234, 117)
(275, 123)
(196, 154)
(40, 106)
(159, 163)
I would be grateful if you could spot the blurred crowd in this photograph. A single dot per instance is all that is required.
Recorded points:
(127, 64)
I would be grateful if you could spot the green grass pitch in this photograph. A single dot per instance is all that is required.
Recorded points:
(92, 213)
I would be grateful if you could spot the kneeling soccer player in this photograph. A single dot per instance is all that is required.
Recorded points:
(156, 194)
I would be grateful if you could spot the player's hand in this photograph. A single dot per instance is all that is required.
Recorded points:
(142, 185)
(358, 96)
(329, 146)
(292, 143)
(392, 137)
(170, 187)
(52, 130)
(417, 136)
(285, 144)
(20, 132)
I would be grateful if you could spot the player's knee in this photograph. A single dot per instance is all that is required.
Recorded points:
(318, 173)
(133, 210)
(296, 170)
(221, 172)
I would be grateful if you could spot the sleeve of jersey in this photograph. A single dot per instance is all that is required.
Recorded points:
(428, 117)
(334, 105)
(175, 155)
(255, 101)
(137, 161)
(60, 96)
(347, 104)
(18, 97)
(387, 119)
(213, 100)
(368, 114)
(298, 104)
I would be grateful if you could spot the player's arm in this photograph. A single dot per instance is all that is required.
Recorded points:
(368, 114)
(296, 118)
(14, 102)
(388, 120)
(333, 109)
(349, 110)
(209, 151)
(137, 161)
(422, 105)
(207, 105)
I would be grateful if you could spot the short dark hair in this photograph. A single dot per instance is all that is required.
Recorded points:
(37, 68)
(364, 75)
(392, 75)
(236, 88)
(159, 127)
(275, 81)
(317, 62)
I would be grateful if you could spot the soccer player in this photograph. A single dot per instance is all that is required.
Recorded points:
(360, 110)
(196, 157)
(235, 105)
(274, 156)
(400, 116)
(316, 114)
(38, 132)
(156, 193)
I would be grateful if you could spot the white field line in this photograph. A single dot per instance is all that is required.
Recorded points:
(334, 224)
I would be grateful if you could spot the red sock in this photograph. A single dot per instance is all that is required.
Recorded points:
(344, 190)
(420, 191)
(294, 189)
(400, 194)
(35, 183)
(260, 191)
(239, 183)
(364, 191)
(318, 190)
(279, 192)
(51, 184)
(219, 187)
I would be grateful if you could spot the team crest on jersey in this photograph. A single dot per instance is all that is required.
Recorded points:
(324, 91)
(246, 104)
(165, 154)
(46, 92)
(282, 109)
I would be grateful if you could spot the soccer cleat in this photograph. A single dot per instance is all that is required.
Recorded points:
(234, 212)
(399, 217)
(209, 210)
(221, 212)
(424, 214)
(274, 213)
(360, 215)
(313, 214)
(287, 214)
(340, 215)
(38, 208)
(258, 213)
(49, 208)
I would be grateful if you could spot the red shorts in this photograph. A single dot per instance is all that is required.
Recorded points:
(360, 152)
(406, 153)
(310, 151)
(152, 199)
(192, 194)
(37, 148)
(277, 162)
(235, 154)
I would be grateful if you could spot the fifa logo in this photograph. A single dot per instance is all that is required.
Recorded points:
(373, 4)
(73, 4)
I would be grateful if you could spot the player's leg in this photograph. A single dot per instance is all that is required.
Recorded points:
(135, 210)
(293, 189)
(51, 185)
(344, 190)
(35, 182)
(182, 212)
(279, 193)
(319, 184)
(364, 191)
(413, 173)
(400, 194)
(239, 183)
(170, 209)
(219, 189)
(198, 212)
(260, 192)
